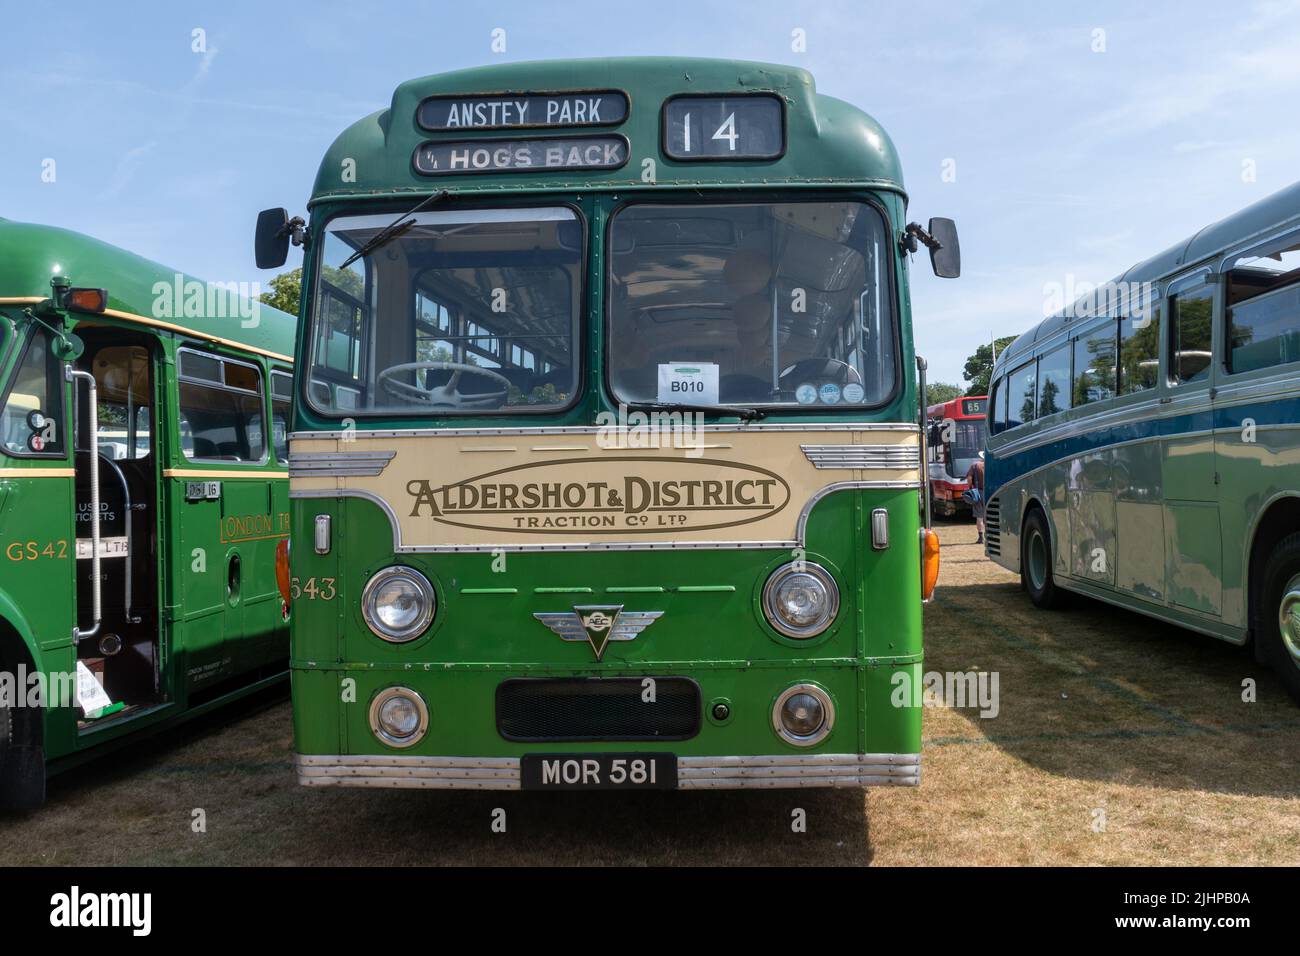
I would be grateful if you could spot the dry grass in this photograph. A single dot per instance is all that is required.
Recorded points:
(1100, 709)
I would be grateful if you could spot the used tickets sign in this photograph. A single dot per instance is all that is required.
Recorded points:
(521, 155)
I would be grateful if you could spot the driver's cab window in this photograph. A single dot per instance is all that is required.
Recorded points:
(751, 303)
(458, 312)
(341, 312)
(31, 421)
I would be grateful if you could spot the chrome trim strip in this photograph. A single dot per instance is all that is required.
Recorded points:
(1199, 433)
(507, 764)
(798, 542)
(1112, 418)
(1228, 395)
(785, 771)
(352, 464)
(862, 456)
(801, 527)
(1269, 388)
(601, 429)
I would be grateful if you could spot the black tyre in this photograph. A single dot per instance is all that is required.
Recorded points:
(1036, 562)
(22, 766)
(1277, 626)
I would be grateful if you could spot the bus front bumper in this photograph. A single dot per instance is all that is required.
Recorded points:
(711, 773)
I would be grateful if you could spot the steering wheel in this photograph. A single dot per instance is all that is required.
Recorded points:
(822, 369)
(448, 395)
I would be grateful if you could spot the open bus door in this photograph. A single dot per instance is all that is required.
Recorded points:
(118, 631)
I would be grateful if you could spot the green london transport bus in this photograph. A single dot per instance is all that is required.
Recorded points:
(138, 557)
(606, 465)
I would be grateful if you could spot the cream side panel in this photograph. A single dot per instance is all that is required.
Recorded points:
(476, 491)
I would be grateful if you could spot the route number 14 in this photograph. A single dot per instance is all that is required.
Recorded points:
(727, 132)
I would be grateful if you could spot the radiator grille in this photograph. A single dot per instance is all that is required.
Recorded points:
(597, 708)
(863, 456)
(993, 528)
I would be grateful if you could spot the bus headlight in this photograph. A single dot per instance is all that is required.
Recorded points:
(398, 603)
(803, 715)
(800, 599)
(399, 717)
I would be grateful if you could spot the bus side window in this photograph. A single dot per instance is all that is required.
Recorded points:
(220, 408)
(999, 406)
(1054, 381)
(1263, 296)
(1021, 393)
(281, 408)
(1094, 365)
(1190, 325)
(1139, 353)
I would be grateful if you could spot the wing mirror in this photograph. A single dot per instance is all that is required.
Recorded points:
(941, 239)
(945, 257)
(275, 230)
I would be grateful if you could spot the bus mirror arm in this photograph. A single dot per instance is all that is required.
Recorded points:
(71, 374)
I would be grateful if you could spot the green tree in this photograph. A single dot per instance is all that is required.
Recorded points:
(979, 367)
(286, 292)
(1139, 354)
(938, 392)
(1048, 404)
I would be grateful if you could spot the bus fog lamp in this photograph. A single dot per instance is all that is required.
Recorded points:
(399, 717)
(803, 715)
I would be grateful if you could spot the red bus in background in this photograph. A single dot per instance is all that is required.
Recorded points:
(957, 430)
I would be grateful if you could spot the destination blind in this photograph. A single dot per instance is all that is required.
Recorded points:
(521, 155)
(530, 110)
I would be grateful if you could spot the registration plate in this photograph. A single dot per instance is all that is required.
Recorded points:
(653, 771)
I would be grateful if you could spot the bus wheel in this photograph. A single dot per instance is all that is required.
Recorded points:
(22, 766)
(1279, 624)
(1036, 562)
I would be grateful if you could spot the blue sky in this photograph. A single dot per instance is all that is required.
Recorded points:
(1071, 163)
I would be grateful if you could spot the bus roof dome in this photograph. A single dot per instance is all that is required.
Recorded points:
(828, 141)
(30, 253)
(1271, 214)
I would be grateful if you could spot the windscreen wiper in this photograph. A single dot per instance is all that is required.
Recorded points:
(397, 227)
(739, 411)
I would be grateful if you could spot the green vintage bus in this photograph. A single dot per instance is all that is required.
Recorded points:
(605, 466)
(138, 555)
(1143, 445)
